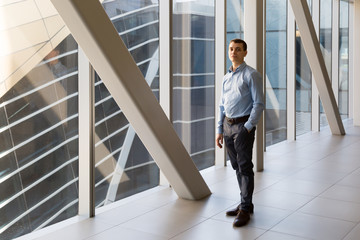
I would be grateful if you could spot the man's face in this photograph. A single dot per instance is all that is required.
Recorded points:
(236, 53)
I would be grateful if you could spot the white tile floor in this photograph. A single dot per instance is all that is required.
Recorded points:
(310, 189)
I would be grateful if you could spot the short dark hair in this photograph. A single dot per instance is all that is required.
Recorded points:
(238, 40)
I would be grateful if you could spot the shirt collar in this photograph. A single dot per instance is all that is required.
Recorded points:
(241, 67)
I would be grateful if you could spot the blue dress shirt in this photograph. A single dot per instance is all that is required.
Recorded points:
(241, 95)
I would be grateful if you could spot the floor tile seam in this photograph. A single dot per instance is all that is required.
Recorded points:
(266, 188)
(319, 181)
(276, 208)
(185, 230)
(163, 204)
(283, 191)
(341, 148)
(327, 217)
(141, 214)
(304, 204)
(347, 175)
(114, 226)
(347, 172)
(292, 175)
(225, 197)
(297, 236)
(218, 211)
(313, 163)
(298, 210)
(110, 226)
(224, 180)
(128, 228)
(303, 194)
(166, 236)
(103, 221)
(174, 211)
(357, 188)
(282, 220)
(346, 185)
(339, 200)
(348, 233)
(276, 177)
(317, 196)
(125, 204)
(273, 150)
(293, 210)
(132, 218)
(335, 218)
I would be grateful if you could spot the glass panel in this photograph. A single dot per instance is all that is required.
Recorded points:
(234, 22)
(193, 78)
(325, 45)
(303, 87)
(39, 146)
(276, 48)
(137, 23)
(13, 210)
(344, 60)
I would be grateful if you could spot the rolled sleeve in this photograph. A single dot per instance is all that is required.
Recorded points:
(256, 89)
(221, 117)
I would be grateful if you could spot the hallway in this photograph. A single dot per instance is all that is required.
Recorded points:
(310, 189)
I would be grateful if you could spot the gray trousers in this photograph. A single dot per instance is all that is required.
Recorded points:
(239, 145)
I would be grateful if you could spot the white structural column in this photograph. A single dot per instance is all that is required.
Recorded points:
(317, 65)
(254, 36)
(356, 64)
(86, 138)
(220, 66)
(315, 100)
(165, 71)
(291, 73)
(165, 58)
(335, 48)
(94, 32)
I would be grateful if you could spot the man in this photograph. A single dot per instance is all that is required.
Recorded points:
(240, 106)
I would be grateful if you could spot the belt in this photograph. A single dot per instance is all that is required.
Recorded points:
(237, 120)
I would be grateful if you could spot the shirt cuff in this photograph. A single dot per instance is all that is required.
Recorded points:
(248, 126)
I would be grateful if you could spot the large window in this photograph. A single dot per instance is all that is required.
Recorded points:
(303, 87)
(275, 113)
(193, 92)
(344, 59)
(325, 44)
(234, 23)
(123, 166)
(39, 145)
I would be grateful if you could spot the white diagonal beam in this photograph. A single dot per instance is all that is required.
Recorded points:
(317, 64)
(96, 35)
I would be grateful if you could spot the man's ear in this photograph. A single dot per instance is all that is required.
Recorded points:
(245, 53)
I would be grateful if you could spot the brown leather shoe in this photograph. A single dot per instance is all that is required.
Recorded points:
(241, 219)
(235, 211)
